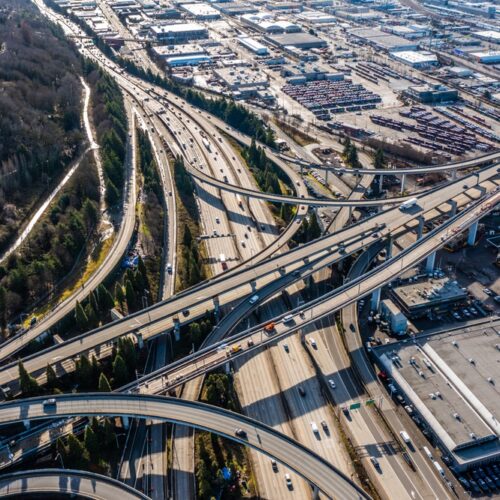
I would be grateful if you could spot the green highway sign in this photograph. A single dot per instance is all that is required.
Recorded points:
(355, 406)
(370, 402)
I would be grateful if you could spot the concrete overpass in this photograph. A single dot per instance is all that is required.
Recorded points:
(458, 165)
(314, 469)
(166, 316)
(65, 482)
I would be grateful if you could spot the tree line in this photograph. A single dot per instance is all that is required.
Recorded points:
(110, 121)
(40, 106)
(53, 247)
(90, 375)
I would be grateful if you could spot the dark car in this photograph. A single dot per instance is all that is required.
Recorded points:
(240, 433)
(185, 312)
(301, 390)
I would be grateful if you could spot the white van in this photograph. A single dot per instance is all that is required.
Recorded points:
(428, 453)
(438, 467)
(287, 318)
(314, 428)
(405, 437)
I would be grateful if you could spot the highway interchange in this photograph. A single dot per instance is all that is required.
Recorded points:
(263, 265)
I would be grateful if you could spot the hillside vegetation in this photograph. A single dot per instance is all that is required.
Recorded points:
(40, 102)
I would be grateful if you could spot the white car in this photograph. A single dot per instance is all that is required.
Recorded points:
(332, 383)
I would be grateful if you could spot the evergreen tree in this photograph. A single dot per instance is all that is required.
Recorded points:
(76, 455)
(120, 371)
(130, 295)
(52, 381)
(141, 267)
(119, 295)
(379, 160)
(29, 386)
(106, 302)
(112, 194)
(3, 310)
(92, 444)
(347, 147)
(104, 385)
(314, 229)
(352, 156)
(80, 317)
(84, 373)
(93, 302)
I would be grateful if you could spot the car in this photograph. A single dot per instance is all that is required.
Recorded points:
(301, 390)
(217, 220)
(49, 402)
(496, 298)
(243, 243)
(285, 346)
(246, 236)
(324, 425)
(375, 463)
(240, 433)
(185, 312)
(332, 383)
(288, 482)
(274, 465)
(487, 291)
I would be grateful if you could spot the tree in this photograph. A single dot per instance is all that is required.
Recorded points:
(90, 214)
(52, 381)
(119, 295)
(130, 295)
(81, 318)
(352, 156)
(347, 146)
(379, 160)
(3, 310)
(141, 268)
(314, 230)
(84, 373)
(29, 386)
(92, 444)
(120, 371)
(104, 385)
(106, 302)
(76, 455)
(112, 193)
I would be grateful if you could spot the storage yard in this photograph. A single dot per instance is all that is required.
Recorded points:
(325, 97)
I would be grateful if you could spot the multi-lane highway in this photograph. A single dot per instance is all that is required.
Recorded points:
(284, 269)
(210, 418)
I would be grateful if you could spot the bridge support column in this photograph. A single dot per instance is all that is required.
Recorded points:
(315, 493)
(471, 239)
(482, 189)
(403, 181)
(253, 284)
(326, 176)
(375, 302)
(454, 174)
(420, 229)
(216, 305)
(453, 209)
(389, 247)
(227, 368)
(27, 424)
(177, 330)
(429, 263)
(350, 213)
(126, 422)
(140, 340)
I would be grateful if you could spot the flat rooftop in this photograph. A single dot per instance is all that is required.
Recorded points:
(428, 292)
(452, 380)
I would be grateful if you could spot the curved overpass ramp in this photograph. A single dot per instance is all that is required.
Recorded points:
(293, 200)
(303, 461)
(427, 169)
(65, 482)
